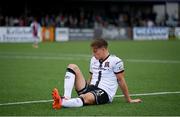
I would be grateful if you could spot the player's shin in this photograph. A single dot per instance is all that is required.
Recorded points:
(69, 83)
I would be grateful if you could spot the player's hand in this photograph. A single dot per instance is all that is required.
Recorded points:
(135, 101)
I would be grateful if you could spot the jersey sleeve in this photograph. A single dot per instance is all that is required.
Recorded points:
(118, 66)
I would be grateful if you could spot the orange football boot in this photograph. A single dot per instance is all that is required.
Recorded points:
(57, 103)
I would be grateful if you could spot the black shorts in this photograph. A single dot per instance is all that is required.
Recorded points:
(101, 97)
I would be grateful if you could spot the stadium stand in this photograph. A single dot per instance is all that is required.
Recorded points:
(89, 14)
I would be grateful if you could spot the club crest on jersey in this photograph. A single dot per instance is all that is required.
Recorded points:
(106, 64)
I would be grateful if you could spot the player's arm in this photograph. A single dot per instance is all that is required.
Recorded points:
(124, 88)
(90, 72)
(89, 80)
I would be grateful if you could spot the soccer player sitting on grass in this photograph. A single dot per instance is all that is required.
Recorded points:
(106, 73)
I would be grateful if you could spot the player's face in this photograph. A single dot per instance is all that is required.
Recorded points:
(98, 53)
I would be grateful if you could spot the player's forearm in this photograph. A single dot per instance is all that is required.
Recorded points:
(125, 91)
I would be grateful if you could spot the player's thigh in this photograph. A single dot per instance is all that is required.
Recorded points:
(80, 82)
(88, 98)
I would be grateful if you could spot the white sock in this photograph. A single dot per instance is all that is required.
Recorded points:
(68, 84)
(74, 102)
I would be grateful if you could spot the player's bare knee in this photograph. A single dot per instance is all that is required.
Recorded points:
(74, 67)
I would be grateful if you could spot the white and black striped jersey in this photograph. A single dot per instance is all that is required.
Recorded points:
(103, 73)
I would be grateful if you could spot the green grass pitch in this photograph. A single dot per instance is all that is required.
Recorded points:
(29, 74)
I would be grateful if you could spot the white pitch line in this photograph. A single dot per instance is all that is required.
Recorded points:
(42, 57)
(45, 54)
(117, 96)
(152, 61)
(82, 57)
(25, 102)
(147, 94)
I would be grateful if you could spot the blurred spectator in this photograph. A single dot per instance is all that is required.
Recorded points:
(93, 17)
(35, 27)
(150, 23)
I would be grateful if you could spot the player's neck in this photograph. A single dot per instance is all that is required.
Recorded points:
(105, 55)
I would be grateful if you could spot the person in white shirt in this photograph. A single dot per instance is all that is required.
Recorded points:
(34, 28)
(106, 74)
